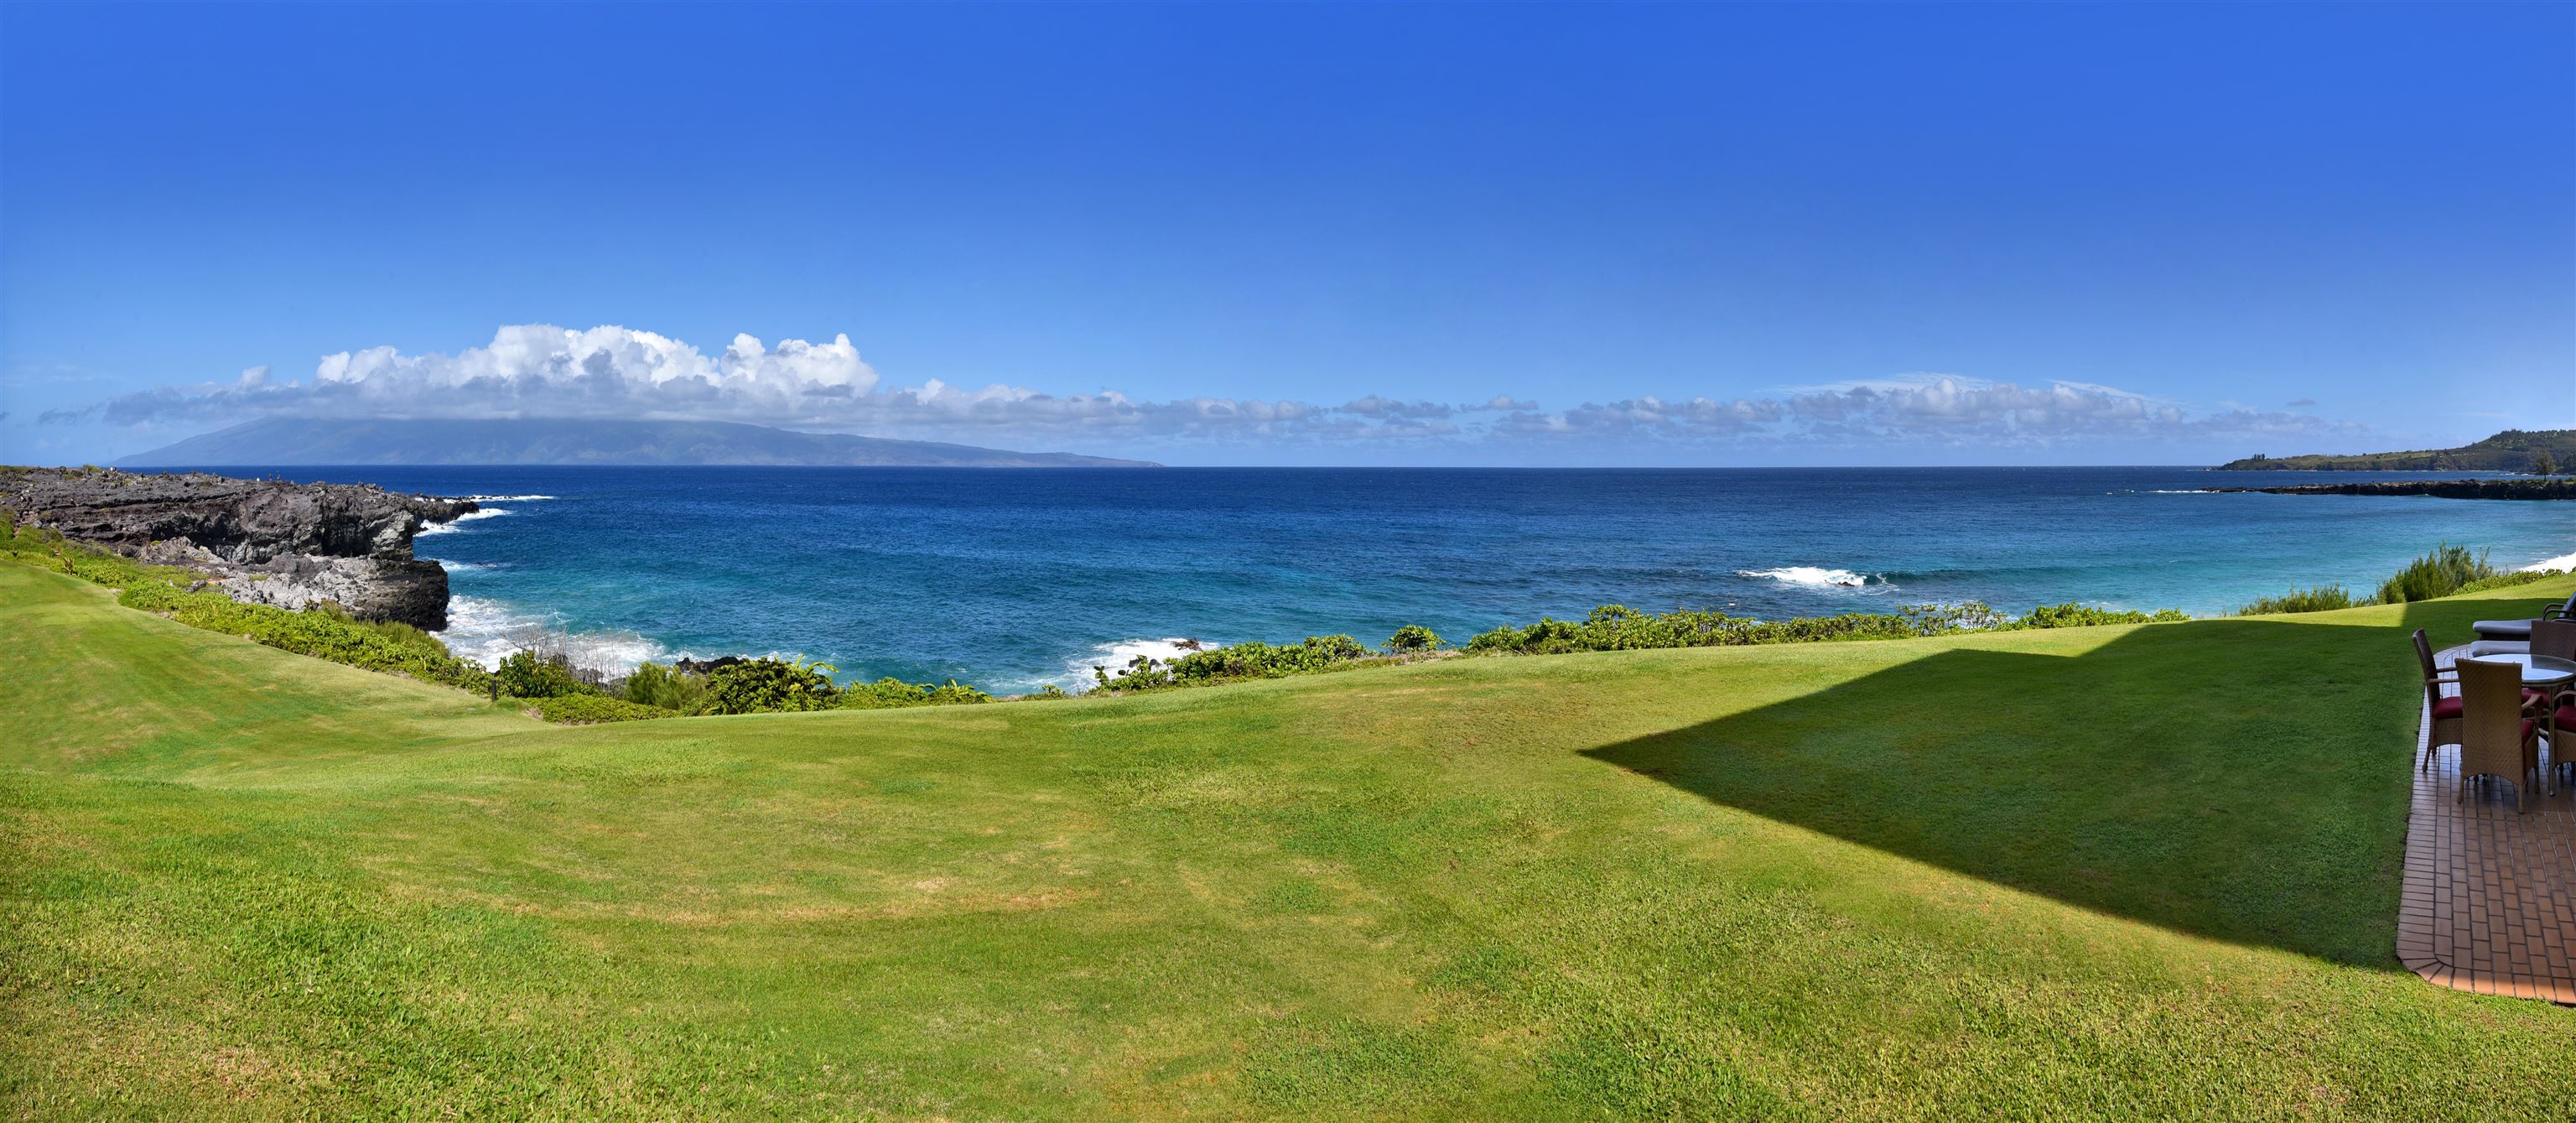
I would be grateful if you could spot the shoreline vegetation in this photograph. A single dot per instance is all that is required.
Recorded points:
(544, 679)
(2542, 452)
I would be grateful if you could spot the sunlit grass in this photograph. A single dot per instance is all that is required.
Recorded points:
(2106, 872)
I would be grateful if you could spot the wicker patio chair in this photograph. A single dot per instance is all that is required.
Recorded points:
(2446, 709)
(2554, 638)
(2495, 739)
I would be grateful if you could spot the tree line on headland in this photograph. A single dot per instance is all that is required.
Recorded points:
(2544, 452)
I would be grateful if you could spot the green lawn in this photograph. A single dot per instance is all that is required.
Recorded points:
(2107, 873)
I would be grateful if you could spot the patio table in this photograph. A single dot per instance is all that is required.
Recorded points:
(2537, 670)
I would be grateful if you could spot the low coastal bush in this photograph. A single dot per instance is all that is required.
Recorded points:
(306, 633)
(1240, 662)
(766, 686)
(394, 630)
(592, 709)
(526, 674)
(2323, 598)
(1414, 637)
(2507, 580)
(1611, 627)
(2437, 574)
(894, 693)
(667, 688)
(2073, 615)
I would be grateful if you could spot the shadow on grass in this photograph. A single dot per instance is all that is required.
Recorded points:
(2245, 780)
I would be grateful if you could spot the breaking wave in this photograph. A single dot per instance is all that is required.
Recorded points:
(1814, 576)
(487, 631)
(469, 516)
(1115, 656)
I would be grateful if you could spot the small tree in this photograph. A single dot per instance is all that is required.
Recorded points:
(1412, 638)
(2543, 464)
(526, 674)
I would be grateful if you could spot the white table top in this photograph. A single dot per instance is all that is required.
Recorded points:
(2536, 669)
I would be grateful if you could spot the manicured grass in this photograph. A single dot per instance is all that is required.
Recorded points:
(2104, 872)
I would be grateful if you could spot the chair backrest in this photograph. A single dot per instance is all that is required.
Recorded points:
(2490, 718)
(2554, 638)
(2424, 655)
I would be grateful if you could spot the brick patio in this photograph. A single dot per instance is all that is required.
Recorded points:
(2490, 895)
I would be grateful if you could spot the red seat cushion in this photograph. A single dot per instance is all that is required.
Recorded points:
(2447, 708)
(2566, 718)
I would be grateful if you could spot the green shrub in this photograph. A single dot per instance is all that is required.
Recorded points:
(1239, 662)
(894, 693)
(760, 686)
(669, 688)
(2323, 598)
(2506, 580)
(394, 630)
(2437, 574)
(2073, 615)
(526, 674)
(591, 709)
(1414, 637)
(305, 633)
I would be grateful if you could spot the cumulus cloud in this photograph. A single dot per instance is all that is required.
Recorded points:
(538, 370)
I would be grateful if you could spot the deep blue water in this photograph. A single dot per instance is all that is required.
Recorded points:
(1011, 578)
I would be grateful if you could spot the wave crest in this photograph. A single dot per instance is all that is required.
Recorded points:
(1814, 576)
(456, 524)
(1117, 654)
(485, 632)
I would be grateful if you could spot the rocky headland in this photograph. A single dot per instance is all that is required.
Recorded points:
(2523, 487)
(260, 541)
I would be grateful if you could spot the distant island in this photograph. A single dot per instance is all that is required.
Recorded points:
(2542, 452)
(281, 441)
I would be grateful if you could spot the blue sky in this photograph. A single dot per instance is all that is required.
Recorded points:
(1346, 234)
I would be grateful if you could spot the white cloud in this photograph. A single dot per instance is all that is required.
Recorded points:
(537, 370)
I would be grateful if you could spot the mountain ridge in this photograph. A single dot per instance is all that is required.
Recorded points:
(306, 441)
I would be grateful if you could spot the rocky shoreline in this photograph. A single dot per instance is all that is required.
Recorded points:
(2527, 487)
(267, 542)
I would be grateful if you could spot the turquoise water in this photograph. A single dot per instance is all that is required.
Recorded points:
(1008, 579)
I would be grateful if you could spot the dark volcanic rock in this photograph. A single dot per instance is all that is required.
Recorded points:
(414, 592)
(2531, 487)
(239, 520)
(260, 541)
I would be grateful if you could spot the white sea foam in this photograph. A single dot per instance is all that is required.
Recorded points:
(1116, 656)
(2182, 491)
(2562, 561)
(487, 631)
(1817, 576)
(469, 516)
(507, 498)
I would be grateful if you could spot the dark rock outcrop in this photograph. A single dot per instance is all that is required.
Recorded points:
(2525, 487)
(414, 592)
(260, 541)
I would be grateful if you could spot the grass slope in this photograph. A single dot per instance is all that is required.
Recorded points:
(2109, 872)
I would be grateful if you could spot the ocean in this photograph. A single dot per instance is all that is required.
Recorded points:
(1009, 579)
